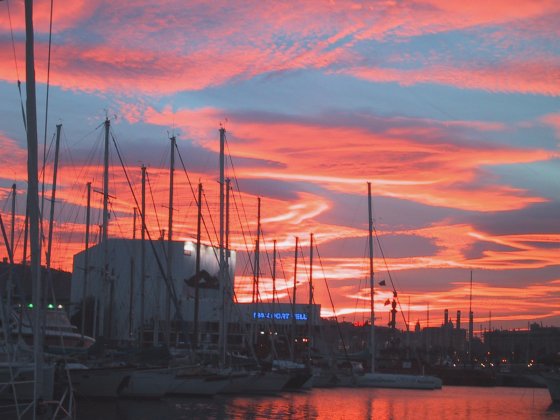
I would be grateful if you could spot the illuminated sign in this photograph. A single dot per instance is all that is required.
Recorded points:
(281, 316)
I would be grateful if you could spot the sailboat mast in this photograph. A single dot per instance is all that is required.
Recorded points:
(143, 256)
(11, 248)
(225, 309)
(256, 272)
(170, 243)
(292, 347)
(222, 338)
(228, 189)
(471, 320)
(371, 282)
(197, 269)
(309, 323)
(13, 230)
(33, 199)
(86, 259)
(53, 195)
(273, 276)
(105, 231)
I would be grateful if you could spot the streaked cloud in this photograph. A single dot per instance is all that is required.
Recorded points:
(447, 107)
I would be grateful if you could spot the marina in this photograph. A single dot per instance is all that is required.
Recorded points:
(195, 240)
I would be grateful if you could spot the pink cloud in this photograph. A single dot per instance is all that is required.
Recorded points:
(340, 158)
(137, 47)
(536, 77)
(13, 165)
(553, 120)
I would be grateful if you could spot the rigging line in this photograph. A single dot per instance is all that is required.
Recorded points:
(206, 226)
(391, 279)
(243, 234)
(94, 152)
(197, 204)
(16, 65)
(303, 262)
(43, 173)
(238, 189)
(48, 82)
(287, 288)
(187, 174)
(196, 201)
(362, 279)
(72, 231)
(266, 253)
(271, 279)
(267, 257)
(341, 336)
(168, 282)
(7, 201)
(153, 201)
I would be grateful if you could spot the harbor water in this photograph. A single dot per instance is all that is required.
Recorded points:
(339, 403)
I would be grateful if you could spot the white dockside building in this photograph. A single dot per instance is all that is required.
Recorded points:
(116, 308)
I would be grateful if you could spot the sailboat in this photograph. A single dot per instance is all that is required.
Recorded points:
(375, 379)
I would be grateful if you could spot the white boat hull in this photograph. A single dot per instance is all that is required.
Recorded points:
(193, 384)
(146, 384)
(394, 380)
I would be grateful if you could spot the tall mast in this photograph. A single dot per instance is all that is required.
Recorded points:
(371, 282)
(13, 230)
(142, 256)
(11, 247)
(25, 240)
(309, 312)
(471, 320)
(222, 277)
(197, 269)
(273, 276)
(226, 309)
(134, 223)
(105, 232)
(228, 189)
(33, 200)
(86, 259)
(256, 271)
(53, 195)
(292, 347)
(170, 243)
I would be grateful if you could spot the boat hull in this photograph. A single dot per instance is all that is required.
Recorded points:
(193, 384)
(392, 380)
(99, 382)
(257, 383)
(146, 384)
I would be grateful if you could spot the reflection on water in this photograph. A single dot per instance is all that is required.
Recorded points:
(341, 403)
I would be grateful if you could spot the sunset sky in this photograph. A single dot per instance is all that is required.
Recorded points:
(451, 109)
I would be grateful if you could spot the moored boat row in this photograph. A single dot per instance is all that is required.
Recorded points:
(126, 382)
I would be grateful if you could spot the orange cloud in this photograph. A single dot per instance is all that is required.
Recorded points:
(139, 48)
(344, 158)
